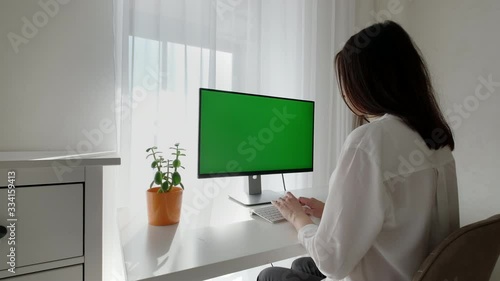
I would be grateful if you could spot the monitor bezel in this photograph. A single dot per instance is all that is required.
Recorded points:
(250, 173)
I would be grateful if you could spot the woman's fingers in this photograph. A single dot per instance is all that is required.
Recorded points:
(290, 195)
(279, 203)
(310, 202)
(304, 201)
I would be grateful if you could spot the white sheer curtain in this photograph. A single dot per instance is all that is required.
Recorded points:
(168, 49)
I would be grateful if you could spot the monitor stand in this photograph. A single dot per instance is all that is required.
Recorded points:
(254, 195)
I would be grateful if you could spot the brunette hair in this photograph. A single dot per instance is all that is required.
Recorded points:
(380, 70)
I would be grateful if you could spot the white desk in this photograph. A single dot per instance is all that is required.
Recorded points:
(183, 252)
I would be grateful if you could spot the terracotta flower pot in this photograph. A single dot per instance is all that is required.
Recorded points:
(164, 208)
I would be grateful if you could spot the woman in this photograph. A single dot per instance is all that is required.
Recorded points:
(393, 196)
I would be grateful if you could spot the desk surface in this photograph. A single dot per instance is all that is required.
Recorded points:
(187, 252)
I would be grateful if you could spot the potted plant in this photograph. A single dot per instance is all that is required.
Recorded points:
(164, 195)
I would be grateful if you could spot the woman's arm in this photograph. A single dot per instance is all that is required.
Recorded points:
(352, 218)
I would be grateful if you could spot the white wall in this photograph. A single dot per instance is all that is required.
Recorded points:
(56, 75)
(459, 39)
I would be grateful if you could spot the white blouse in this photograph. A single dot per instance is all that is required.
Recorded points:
(391, 201)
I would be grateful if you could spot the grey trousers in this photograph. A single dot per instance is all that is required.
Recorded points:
(303, 269)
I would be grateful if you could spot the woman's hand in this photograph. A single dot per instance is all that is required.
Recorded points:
(292, 210)
(314, 206)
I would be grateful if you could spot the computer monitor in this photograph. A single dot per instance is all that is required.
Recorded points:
(246, 134)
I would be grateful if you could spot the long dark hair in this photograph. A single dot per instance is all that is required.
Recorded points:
(380, 70)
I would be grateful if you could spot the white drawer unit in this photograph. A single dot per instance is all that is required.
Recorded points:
(57, 216)
(49, 224)
(72, 273)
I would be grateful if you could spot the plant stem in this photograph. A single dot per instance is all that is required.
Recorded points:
(158, 167)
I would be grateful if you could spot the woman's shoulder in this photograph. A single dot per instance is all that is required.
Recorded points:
(389, 138)
(382, 129)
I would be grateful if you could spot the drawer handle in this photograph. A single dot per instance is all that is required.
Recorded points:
(3, 231)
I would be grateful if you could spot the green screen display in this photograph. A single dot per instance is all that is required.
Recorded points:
(242, 134)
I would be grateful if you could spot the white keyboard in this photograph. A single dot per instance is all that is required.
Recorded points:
(269, 213)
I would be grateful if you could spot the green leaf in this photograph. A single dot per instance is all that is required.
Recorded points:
(181, 185)
(176, 163)
(182, 154)
(154, 164)
(165, 186)
(158, 177)
(176, 178)
(151, 148)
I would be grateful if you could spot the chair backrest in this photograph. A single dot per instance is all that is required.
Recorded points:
(470, 253)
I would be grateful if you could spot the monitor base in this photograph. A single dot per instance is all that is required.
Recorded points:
(257, 199)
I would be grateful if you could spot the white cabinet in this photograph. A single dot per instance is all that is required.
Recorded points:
(58, 216)
(49, 224)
